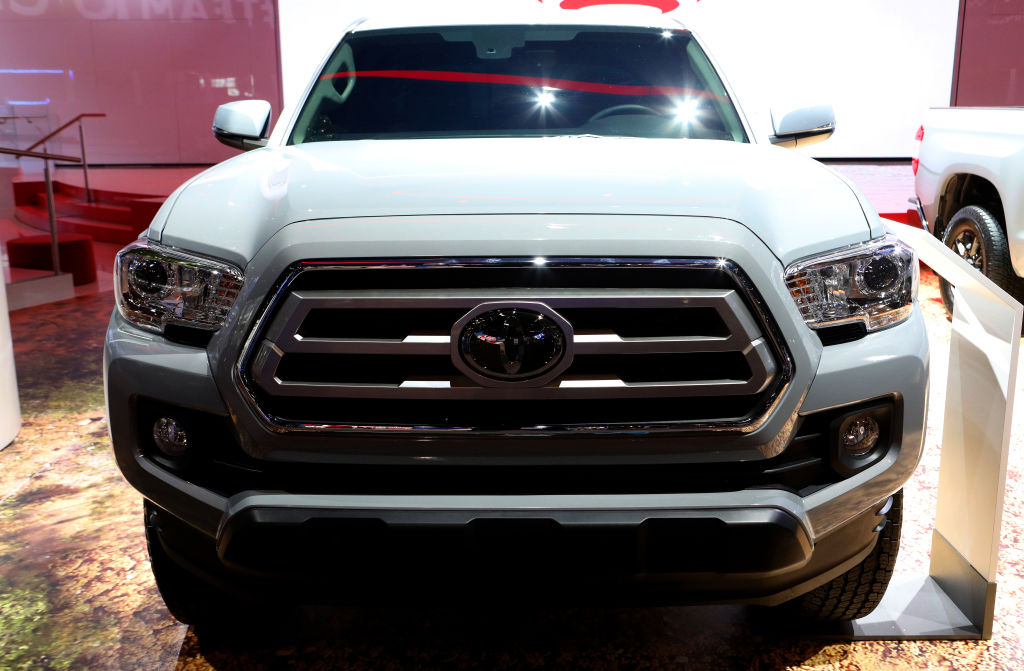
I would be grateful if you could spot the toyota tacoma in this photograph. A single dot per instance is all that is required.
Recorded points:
(518, 307)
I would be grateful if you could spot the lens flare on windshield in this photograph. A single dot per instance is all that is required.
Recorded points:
(545, 97)
(686, 110)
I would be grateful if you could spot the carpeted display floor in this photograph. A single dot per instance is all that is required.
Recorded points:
(76, 591)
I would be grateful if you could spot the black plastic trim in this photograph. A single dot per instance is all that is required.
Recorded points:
(274, 539)
(843, 333)
(405, 579)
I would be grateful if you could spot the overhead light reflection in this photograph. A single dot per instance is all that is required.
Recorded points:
(545, 97)
(686, 111)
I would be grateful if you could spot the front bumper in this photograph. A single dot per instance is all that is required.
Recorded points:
(325, 550)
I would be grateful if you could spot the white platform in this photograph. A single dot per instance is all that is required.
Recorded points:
(10, 408)
(913, 609)
(39, 290)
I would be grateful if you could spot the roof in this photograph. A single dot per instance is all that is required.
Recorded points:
(422, 13)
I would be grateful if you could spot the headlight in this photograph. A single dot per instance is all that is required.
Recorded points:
(156, 285)
(874, 283)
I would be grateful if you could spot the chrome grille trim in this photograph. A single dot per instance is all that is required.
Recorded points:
(269, 357)
(746, 317)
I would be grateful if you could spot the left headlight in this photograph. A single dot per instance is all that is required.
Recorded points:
(874, 283)
(156, 285)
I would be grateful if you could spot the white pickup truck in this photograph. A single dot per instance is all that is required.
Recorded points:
(518, 305)
(968, 177)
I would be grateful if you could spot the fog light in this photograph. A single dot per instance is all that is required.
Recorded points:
(860, 435)
(170, 437)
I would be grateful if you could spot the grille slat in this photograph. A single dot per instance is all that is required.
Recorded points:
(585, 344)
(389, 344)
(417, 382)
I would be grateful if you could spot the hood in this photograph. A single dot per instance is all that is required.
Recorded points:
(792, 203)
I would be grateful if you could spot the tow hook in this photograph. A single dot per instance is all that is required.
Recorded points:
(882, 512)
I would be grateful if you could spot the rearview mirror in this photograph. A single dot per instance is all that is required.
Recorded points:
(803, 126)
(243, 124)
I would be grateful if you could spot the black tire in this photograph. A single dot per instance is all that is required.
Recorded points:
(977, 237)
(190, 599)
(857, 592)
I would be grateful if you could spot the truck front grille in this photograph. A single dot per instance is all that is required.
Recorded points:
(657, 344)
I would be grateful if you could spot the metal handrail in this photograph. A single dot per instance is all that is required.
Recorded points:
(40, 154)
(59, 129)
(81, 142)
(50, 207)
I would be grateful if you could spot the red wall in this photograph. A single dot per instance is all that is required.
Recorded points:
(157, 68)
(990, 54)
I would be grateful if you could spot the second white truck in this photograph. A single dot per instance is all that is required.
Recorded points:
(968, 177)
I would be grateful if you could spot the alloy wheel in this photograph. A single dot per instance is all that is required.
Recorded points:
(968, 246)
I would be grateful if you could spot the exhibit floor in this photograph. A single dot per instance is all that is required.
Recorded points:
(76, 590)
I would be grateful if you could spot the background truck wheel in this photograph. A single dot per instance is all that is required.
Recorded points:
(857, 592)
(976, 237)
(189, 599)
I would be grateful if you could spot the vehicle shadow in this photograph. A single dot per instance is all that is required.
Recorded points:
(491, 637)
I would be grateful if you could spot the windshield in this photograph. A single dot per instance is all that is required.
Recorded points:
(475, 81)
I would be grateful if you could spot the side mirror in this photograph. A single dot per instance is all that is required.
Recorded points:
(243, 124)
(803, 126)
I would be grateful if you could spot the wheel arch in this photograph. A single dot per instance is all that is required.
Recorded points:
(963, 189)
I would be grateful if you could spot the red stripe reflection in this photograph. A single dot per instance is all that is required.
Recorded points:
(516, 80)
(664, 5)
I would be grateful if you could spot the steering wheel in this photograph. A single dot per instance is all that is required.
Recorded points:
(623, 109)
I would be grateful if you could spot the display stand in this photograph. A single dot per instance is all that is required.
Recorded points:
(10, 409)
(956, 600)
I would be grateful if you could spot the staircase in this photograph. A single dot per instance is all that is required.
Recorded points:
(113, 216)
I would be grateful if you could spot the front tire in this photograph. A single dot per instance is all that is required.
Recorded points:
(976, 236)
(857, 592)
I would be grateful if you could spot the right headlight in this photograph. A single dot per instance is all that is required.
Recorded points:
(156, 285)
(874, 283)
